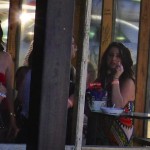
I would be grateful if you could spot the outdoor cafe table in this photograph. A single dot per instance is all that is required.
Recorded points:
(134, 115)
(93, 122)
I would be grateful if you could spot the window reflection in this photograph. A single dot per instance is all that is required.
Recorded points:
(126, 27)
(27, 18)
(127, 24)
(4, 7)
(95, 33)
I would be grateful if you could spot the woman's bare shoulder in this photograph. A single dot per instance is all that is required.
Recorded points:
(130, 81)
(6, 54)
(128, 90)
(7, 57)
(128, 84)
(6, 60)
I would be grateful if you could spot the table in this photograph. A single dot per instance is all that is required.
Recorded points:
(134, 115)
(93, 122)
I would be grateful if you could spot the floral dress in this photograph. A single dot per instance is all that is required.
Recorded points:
(121, 130)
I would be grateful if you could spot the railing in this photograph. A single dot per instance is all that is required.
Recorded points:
(71, 147)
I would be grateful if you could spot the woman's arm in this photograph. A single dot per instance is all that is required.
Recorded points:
(71, 100)
(121, 95)
(9, 81)
(124, 93)
(9, 86)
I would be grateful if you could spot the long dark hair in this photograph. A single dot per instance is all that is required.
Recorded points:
(1, 36)
(125, 56)
(30, 59)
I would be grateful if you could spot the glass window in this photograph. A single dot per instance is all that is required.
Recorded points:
(27, 28)
(27, 18)
(4, 7)
(127, 24)
(94, 38)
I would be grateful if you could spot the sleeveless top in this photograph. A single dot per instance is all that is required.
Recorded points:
(120, 130)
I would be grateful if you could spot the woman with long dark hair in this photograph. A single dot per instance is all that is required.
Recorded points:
(117, 80)
(116, 74)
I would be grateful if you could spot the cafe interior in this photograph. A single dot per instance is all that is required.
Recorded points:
(93, 24)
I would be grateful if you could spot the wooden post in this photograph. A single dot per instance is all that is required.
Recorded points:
(78, 25)
(106, 25)
(12, 41)
(50, 74)
(82, 74)
(142, 65)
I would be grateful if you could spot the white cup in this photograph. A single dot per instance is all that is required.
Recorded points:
(96, 105)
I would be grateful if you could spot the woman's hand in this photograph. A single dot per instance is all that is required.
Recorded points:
(119, 70)
(13, 129)
(3, 92)
(70, 101)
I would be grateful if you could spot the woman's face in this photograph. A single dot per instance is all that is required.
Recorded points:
(113, 58)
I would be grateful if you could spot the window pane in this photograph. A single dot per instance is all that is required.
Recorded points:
(27, 28)
(94, 38)
(127, 24)
(4, 7)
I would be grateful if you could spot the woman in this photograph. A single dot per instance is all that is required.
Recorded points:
(6, 99)
(24, 96)
(117, 78)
